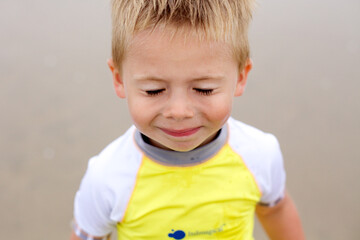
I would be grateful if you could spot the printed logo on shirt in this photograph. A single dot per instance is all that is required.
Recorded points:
(206, 232)
(180, 234)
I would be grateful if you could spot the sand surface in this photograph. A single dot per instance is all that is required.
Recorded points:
(58, 108)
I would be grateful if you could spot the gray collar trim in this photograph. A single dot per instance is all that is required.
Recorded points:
(193, 157)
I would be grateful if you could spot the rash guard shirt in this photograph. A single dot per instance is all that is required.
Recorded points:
(208, 193)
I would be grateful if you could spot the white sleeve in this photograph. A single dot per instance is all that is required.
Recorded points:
(262, 155)
(93, 204)
(273, 186)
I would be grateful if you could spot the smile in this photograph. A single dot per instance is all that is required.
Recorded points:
(180, 133)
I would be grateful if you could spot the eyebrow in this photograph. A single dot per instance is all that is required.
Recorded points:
(142, 78)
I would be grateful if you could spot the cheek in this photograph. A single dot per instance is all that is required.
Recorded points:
(142, 112)
(220, 110)
(138, 119)
(138, 115)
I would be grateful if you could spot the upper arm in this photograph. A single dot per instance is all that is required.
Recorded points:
(93, 204)
(273, 176)
(262, 155)
(263, 210)
(74, 236)
(281, 221)
(78, 234)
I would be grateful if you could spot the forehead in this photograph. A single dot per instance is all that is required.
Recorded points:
(167, 54)
(177, 40)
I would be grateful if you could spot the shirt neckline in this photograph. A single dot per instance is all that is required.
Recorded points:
(193, 157)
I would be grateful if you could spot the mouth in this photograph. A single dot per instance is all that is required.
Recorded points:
(181, 132)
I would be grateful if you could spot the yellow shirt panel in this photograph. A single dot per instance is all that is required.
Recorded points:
(212, 200)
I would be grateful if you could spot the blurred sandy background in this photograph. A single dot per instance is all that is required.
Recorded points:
(58, 108)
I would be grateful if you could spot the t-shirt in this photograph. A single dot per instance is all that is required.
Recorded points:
(208, 193)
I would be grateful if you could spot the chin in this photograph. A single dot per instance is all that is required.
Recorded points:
(183, 148)
(178, 146)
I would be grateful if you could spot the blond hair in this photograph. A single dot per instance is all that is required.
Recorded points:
(220, 20)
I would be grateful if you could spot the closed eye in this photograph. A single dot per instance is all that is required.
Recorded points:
(155, 92)
(205, 92)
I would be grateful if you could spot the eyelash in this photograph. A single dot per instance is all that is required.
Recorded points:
(205, 92)
(156, 92)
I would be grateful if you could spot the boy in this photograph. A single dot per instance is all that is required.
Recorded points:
(186, 169)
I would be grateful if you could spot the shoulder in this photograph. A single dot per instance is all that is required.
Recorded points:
(121, 154)
(107, 185)
(116, 166)
(262, 155)
(245, 137)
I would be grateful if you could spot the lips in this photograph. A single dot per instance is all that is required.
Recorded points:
(180, 133)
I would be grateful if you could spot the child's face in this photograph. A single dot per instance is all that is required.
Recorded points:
(179, 92)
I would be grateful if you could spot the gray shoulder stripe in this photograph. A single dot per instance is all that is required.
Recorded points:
(270, 204)
(84, 236)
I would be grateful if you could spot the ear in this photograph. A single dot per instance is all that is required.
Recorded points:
(241, 82)
(117, 81)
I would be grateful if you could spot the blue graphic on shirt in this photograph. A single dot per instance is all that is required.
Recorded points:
(179, 234)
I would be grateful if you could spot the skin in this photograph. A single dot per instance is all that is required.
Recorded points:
(282, 221)
(180, 93)
(74, 237)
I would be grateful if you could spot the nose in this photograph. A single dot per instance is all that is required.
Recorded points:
(179, 107)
